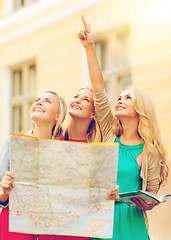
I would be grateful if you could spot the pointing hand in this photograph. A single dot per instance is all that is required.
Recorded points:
(85, 35)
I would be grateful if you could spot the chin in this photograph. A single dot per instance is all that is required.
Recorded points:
(73, 113)
(35, 117)
(118, 115)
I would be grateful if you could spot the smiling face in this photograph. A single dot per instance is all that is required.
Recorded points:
(45, 108)
(124, 106)
(82, 104)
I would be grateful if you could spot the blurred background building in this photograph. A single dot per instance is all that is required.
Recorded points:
(39, 50)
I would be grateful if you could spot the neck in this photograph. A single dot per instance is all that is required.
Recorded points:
(130, 134)
(77, 129)
(41, 131)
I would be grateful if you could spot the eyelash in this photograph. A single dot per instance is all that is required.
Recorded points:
(48, 101)
(86, 99)
(128, 97)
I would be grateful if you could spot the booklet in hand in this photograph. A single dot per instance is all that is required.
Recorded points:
(146, 196)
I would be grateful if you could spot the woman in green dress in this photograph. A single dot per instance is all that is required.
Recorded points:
(142, 158)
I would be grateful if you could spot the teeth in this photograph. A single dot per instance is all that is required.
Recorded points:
(76, 107)
(38, 109)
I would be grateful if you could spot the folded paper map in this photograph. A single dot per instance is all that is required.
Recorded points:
(61, 187)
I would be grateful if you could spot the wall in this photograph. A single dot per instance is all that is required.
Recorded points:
(47, 31)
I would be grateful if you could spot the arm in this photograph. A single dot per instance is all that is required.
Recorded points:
(4, 168)
(103, 112)
(153, 172)
(152, 185)
(104, 116)
(86, 40)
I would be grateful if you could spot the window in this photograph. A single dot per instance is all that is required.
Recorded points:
(113, 53)
(17, 118)
(123, 82)
(101, 54)
(32, 78)
(20, 3)
(23, 92)
(17, 83)
(123, 48)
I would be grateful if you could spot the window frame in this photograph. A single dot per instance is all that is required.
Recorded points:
(25, 98)
(22, 3)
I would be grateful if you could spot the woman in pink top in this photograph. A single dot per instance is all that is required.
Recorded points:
(83, 125)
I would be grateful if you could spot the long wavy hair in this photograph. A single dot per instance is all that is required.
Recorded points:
(93, 131)
(62, 110)
(148, 128)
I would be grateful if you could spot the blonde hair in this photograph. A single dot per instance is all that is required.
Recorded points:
(148, 128)
(62, 110)
(93, 132)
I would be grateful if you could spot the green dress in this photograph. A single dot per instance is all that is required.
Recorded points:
(129, 222)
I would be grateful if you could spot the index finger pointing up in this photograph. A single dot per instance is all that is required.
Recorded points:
(84, 21)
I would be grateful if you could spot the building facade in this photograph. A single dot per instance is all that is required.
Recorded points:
(39, 50)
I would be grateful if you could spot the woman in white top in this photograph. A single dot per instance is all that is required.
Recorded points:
(48, 113)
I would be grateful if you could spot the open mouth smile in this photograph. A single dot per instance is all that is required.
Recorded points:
(76, 107)
(120, 108)
(38, 109)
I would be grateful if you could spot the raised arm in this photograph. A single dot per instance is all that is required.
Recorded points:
(86, 39)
